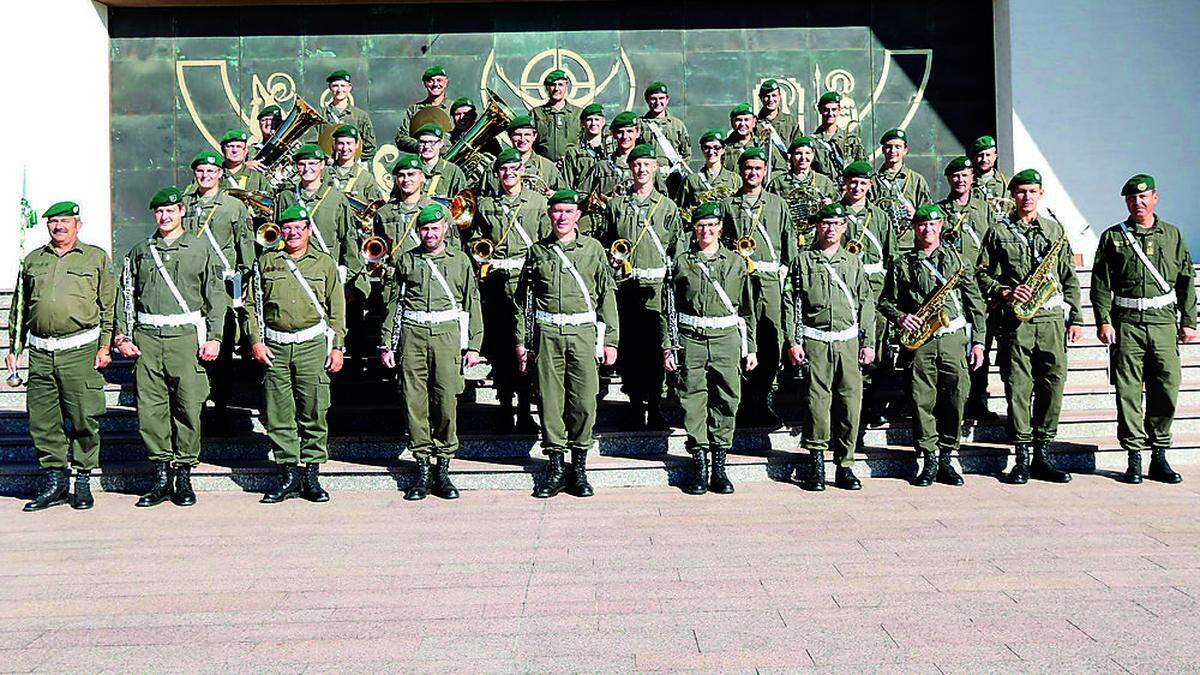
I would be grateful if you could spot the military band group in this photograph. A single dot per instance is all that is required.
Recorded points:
(562, 244)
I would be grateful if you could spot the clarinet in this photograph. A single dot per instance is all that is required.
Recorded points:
(672, 313)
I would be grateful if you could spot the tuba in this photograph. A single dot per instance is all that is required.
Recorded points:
(618, 257)
(482, 250)
(745, 248)
(932, 312)
(461, 206)
(468, 151)
(285, 140)
(1043, 282)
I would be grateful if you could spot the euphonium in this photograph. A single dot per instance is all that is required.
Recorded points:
(932, 312)
(268, 236)
(1042, 281)
(618, 256)
(468, 151)
(745, 248)
(462, 208)
(482, 251)
(285, 139)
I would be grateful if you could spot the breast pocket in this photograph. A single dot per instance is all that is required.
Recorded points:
(815, 286)
(80, 284)
(272, 280)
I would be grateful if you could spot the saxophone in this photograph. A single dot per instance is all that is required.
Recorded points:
(1043, 281)
(932, 312)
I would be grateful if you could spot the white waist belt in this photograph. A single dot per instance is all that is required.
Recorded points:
(312, 332)
(194, 319)
(445, 316)
(649, 273)
(850, 333)
(873, 268)
(58, 344)
(554, 319)
(717, 322)
(1156, 302)
(1054, 302)
(766, 267)
(514, 263)
(956, 324)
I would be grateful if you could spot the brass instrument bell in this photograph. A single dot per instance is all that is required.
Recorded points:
(269, 236)
(374, 251)
(745, 248)
(462, 208)
(618, 255)
(482, 250)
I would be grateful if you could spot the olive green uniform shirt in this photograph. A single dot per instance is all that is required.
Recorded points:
(785, 127)
(246, 179)
(396, 222)
(1119, 271)
(444, 179)
(910, 283)
(914, 190)
(556, 129)
(535, 165)
(866, 224)
(818, 186)
(194, 269)
(1011, 251)
(836, 150)
(279, 301)
(735, 145)
(354, 180)
(688, 190)
(672, 128)
(766, 219)
(414, 288)
(651, 225)
(330, 215)
(63, 295)
(578, 158)
(971, 220)
(229, 222)
(555, 290)
(360, 119)
(821, 302)
(695, 295)
(513, 224)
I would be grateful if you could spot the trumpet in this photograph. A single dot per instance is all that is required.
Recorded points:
(374, 251)
(268, 236)
(537, 184)
(462, 208)
(745, 248)
(482, 251)
(618, 256)
(365, 211)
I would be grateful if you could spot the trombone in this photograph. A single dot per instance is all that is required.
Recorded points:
(374, 252)
(745, 248)
(462, 208)
(618, 256)
(482, 251)
(268, 236)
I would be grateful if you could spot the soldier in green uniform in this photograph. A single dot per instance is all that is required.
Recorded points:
(224, 224)
(764, 218)
(170, 316)
(831, 316)
(396, 221)
(555, 119)
(707, 336)
(658, 127)
(340, 111)
(800, 182)
(63, 310)
(442, 178)
(512, 220)
(434, 79)
(780, 127)
(569, 323)
(335, 229)
(648, 223)
(712, 182)
(1144, 298)
(347, 172)
(237, 174)
(898, 189)
(590, 147)
(989, 181)
(540, 172)
(269, 119)
(743, 134)
(837, 147)
(968, 218)
(1033, 353)
(939, 366)
(435, 329)
(609, 176)
(463, 114)
(296, 320)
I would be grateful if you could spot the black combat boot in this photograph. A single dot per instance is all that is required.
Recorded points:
(719, 482)
(1020, 471)
(816, 474)
(1133, 474)
(1042, 466)
(82, 500)
(929, 470)
(525, 423)
(442, 486)
(57, 491)
(310, 487)
(161, 491)
(845, 479)
(580, 487)
(289, 488)
(946, 474)
(699, 484)
(555, 480)
(1160, 470)
(420, 489)
(183, 494)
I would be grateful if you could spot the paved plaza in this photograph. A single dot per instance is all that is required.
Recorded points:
(1090, 576)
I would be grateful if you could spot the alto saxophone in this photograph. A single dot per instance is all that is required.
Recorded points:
(1042, 281)
(932, 312)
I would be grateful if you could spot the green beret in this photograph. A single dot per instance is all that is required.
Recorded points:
(293, 213)
(406, 161)
(928, 212)
(462, 101)
(165, 197)
(834, 210)
(270, 111)
(554, 76)
(506, 156)
(655, 88)
(431, 214)
(859, 169)
(564, 197)
(234, 135)
(768, 86)
(1026, 177)
(706, 211)
(983, 143)
(346, 130)
(207, 157)
(1138, 183)
(752, 153)
(741, 109)
(712, 135)
(800, 142)
(624, 119)
(957, 164)
(829, 97)
(62, 209)
(591, 109)
(894, 135)
(308, 151)
(432, 72)
(337, 75)
(429, 129)
(642, 151)
(520, 122)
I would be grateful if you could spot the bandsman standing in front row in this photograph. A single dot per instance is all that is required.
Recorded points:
(434, 331)
(569, 323)
(931, 296)
(831, 318)
(708, 337)
(1027, 265)
(170, 317)
(296, 320)
(63, 310)
(1144, 298)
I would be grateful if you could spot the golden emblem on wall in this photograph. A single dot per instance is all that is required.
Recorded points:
(584, 88)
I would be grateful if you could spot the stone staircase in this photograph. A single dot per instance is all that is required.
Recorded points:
(365, 443)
